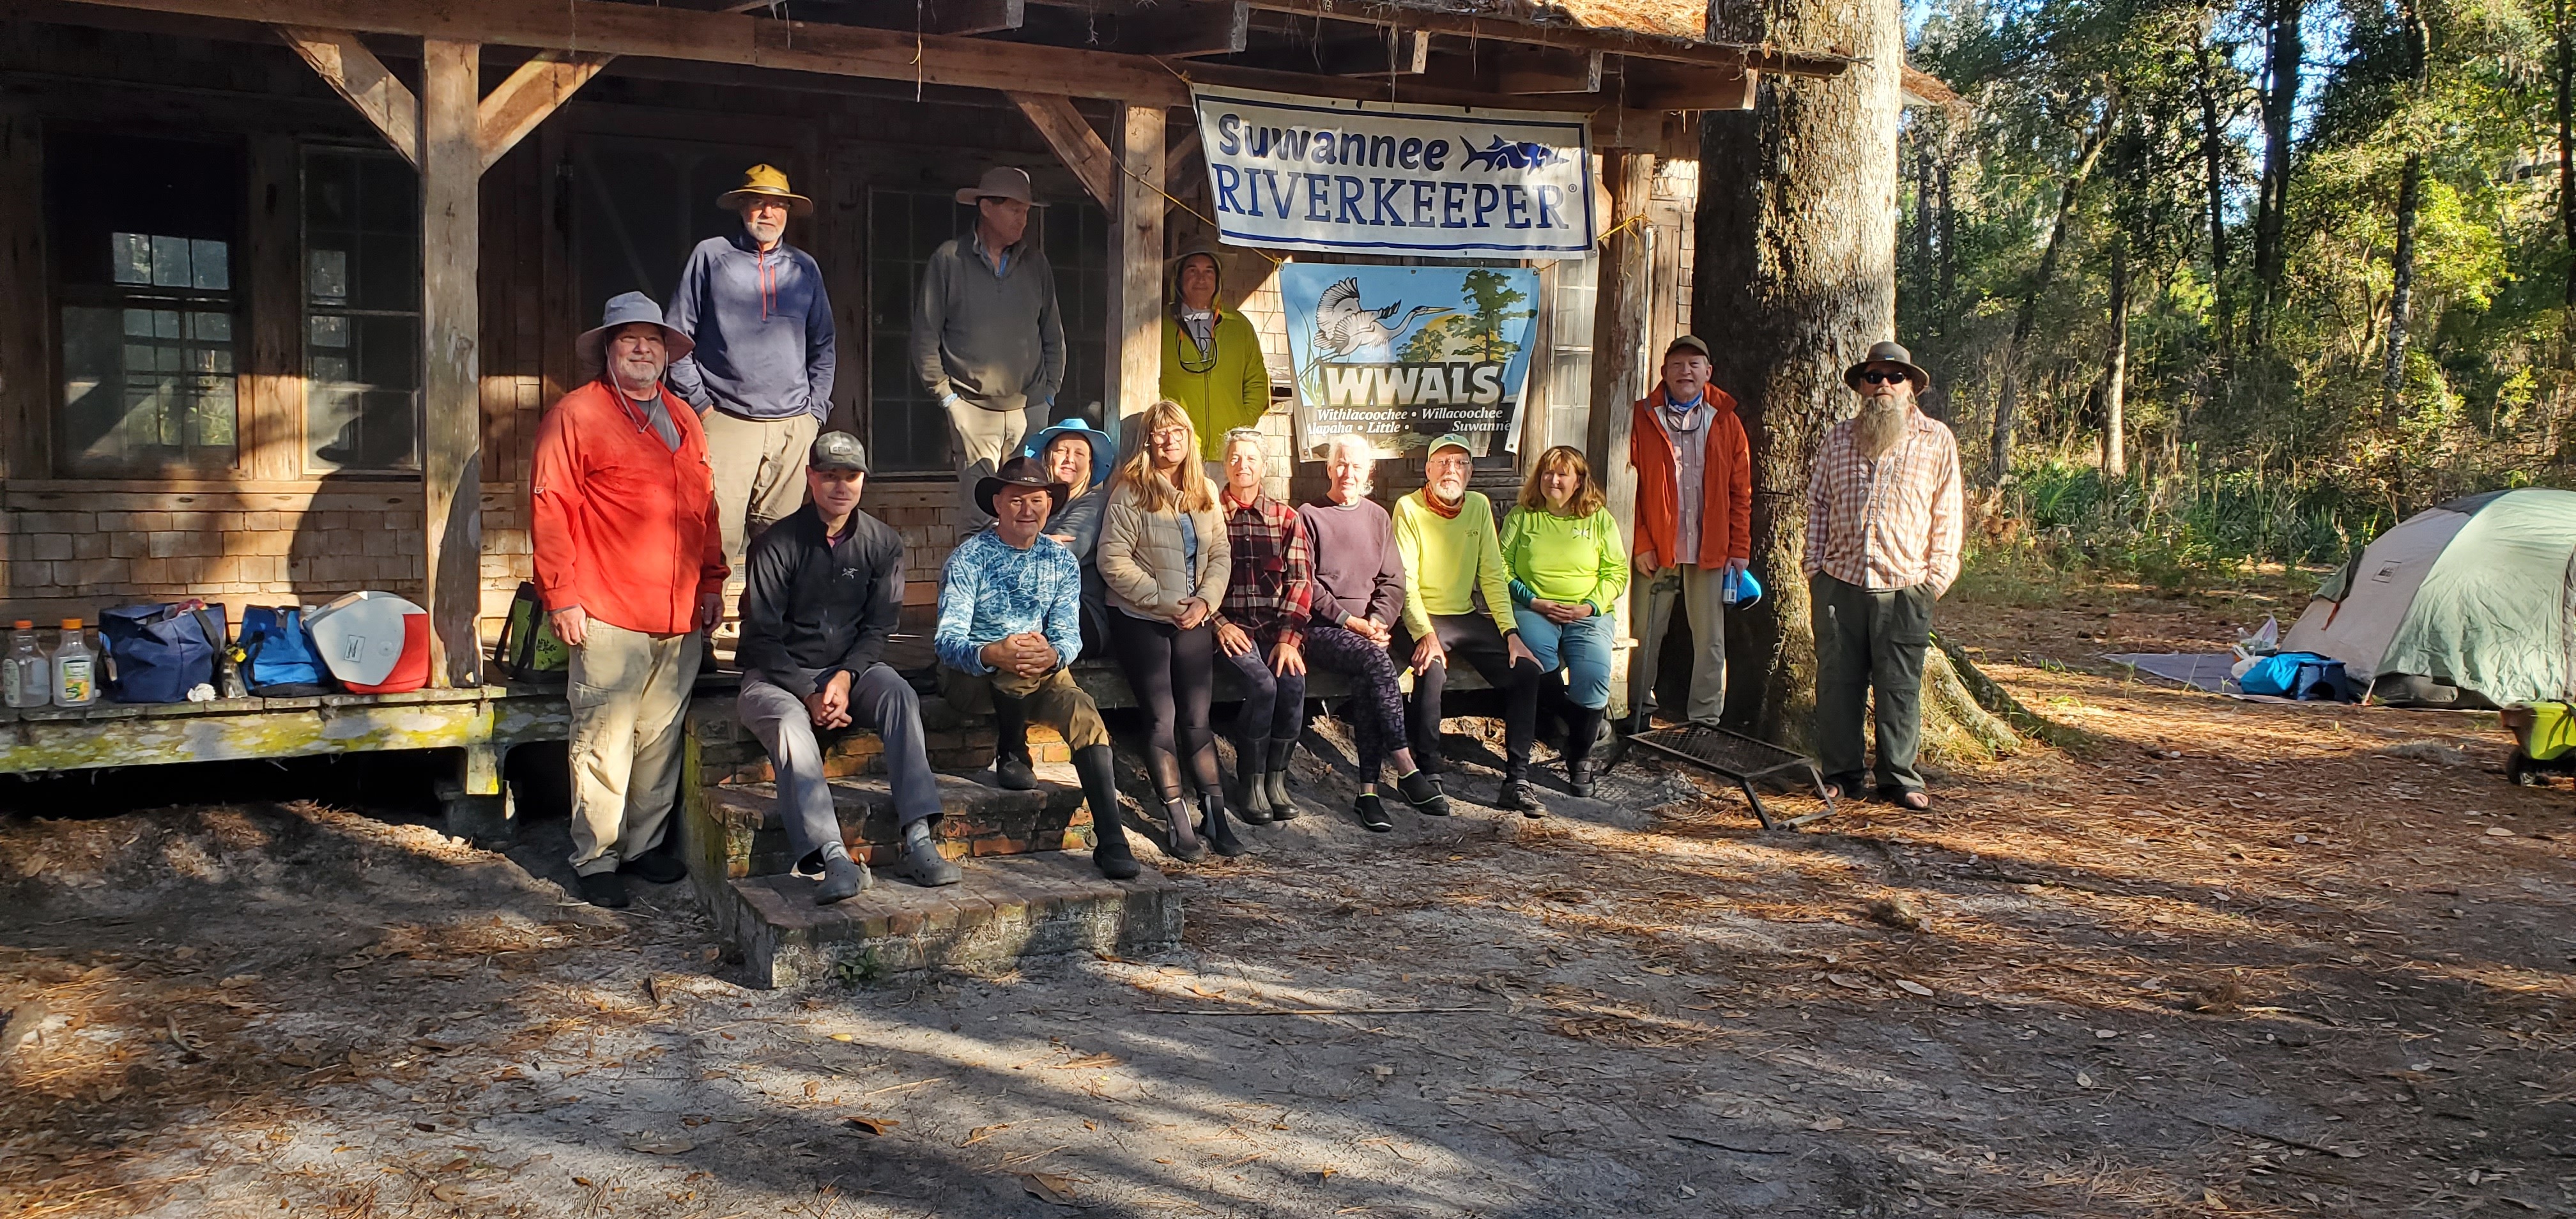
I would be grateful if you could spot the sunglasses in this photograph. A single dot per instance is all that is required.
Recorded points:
(1875, 377)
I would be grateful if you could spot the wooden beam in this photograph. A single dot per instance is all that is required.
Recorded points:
(518, 104)
(1717, 90)
(1619, 369)
(1393, 53)
(1075, 143)
(1182, 159)
(1136, 265)
(451, 456)
(26, 348)
(1634, 44)
(963, 18)
(355, 73)
(1179, 31)
(1524, 70)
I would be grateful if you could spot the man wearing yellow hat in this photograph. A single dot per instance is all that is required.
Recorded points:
(761, 376)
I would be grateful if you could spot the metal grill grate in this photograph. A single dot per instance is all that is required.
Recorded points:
(1738, 757)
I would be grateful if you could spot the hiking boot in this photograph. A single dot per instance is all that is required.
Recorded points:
(1372, 813)
(1012, 772)
(1519, 796)
(654, 868)
(1251, 800)
(1422, 791)
(1213, 824)
(605, 889)
(922, 860)
(843, 879)
(1110, 852)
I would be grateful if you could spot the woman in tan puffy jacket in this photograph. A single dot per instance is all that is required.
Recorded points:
(1164, 556)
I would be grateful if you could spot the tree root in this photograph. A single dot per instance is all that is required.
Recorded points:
(1987, 700)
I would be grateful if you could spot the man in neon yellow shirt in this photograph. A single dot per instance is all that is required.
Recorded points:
(1458, 599)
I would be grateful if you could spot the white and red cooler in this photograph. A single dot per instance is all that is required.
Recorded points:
(374, 643)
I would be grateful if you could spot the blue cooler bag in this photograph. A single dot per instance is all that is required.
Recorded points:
(155, 653)
(277, 656)
(2304, 676)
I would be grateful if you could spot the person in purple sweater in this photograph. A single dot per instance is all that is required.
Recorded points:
(1358, 590)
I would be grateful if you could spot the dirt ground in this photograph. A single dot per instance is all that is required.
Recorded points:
(2243, 959)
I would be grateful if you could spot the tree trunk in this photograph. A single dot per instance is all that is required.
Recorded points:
(2272, 200)
(2115, 367)
(1796, 277)
(2007, 401)
(1949, 233)
(2567, 153)
(2401, 289)
(2213, 152)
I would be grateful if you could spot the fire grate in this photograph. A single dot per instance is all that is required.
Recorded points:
(1741, 758)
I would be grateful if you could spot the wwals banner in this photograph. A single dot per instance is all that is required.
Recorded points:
(1403, 354)
(1308, 173)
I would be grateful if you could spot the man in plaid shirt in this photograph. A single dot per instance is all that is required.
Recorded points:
(1261, 630)
(1883, 517)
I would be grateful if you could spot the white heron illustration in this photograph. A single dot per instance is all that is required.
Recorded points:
(1351, 333)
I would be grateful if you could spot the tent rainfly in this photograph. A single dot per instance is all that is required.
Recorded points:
(2468, 604)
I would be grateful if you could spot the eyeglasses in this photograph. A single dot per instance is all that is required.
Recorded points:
(1160, 435)
(1876, 377)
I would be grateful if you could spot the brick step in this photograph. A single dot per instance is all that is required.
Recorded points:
(738, 831)
(1005, 909)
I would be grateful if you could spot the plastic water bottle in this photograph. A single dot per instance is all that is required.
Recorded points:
(1732, 589)
(24, 680)
(75, 668)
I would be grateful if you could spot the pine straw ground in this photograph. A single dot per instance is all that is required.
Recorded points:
(2240, 959)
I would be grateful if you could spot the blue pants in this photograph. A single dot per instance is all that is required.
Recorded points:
(1582, 646)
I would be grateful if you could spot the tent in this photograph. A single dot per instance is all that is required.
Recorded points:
(2469, 604)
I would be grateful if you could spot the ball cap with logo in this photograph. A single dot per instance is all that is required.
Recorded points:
(1451, 440)
(837, 451)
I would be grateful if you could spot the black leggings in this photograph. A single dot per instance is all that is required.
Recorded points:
(1474, 639)
(1170, 670)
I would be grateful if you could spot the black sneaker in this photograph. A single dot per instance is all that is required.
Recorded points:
(655, 868)
(605, 889)
(1372, 813)
(1518, 796)
(1013, 773)
(1422, 790)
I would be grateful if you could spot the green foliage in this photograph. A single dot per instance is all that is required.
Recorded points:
(854, 972)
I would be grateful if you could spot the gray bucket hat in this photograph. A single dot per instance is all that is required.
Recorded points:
(626, 309)
(1889, 352)
(1000, 182)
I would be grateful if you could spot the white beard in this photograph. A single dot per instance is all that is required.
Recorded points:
(1880, 424)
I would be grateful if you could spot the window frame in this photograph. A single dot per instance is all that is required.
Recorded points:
(302, 310)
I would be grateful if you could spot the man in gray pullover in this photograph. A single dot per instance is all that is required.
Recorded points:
(987, 339)
(761, 376)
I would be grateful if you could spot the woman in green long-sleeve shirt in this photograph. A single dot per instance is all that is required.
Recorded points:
(1568, 569)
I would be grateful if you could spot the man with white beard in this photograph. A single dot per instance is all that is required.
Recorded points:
(1883, 522)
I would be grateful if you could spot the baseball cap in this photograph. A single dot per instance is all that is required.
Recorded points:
(1451, 440)
(837, 451)
(1687, 342)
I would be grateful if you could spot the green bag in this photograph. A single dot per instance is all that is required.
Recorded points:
(528, 650)
(2550, 732)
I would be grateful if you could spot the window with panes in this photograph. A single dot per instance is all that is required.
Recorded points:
(361, 311)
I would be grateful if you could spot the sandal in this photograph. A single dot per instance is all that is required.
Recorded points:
(1910, 801)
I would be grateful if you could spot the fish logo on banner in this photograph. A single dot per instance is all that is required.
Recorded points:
(1324, 174)
(1403, 354)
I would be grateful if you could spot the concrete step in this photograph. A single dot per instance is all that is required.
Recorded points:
(736, 830)
(1007, 908)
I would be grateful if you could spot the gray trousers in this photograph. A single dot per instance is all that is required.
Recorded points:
(982, 441)
(1701, 591)
(880, 702)
(1869, 643)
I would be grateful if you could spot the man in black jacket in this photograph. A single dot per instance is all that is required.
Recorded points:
(824, 590)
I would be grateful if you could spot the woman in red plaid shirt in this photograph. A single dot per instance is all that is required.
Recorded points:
(1261, 630)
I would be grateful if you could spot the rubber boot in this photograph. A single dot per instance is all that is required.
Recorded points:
(1213, 824)
(1251, 799)
(1283, 807)
(1011, 768)
(1186, 846)
(1583, 731)
(1110, 852)
(922, 860)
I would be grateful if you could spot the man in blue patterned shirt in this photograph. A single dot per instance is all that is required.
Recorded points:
(1010, 621)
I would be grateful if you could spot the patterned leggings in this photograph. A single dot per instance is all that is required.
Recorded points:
(1377, 707)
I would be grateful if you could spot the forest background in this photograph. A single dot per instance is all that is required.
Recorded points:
(2205, 286)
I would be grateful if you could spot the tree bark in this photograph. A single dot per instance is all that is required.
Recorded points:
(2115, 367)
(2401, 290)
(2213, 152)
(2007, 401)
(2567, 152)
(2272, 200)
(1796, 277)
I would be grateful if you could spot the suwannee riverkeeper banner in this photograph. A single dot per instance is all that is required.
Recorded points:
(1336, 176)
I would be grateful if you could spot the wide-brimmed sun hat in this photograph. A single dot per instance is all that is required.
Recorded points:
(764, 182)
(1018, 472)
(1889, 352)
(626, 309)
(1000, 182)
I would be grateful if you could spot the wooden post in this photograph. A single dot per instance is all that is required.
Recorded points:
(26, 346)
(1620, 372)
(451, 458)
(1136, 261)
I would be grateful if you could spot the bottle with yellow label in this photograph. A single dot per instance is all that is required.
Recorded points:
(75, 668)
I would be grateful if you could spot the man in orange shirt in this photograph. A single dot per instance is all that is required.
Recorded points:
(631, 563)
(1694, 524)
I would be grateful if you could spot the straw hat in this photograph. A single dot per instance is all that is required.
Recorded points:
(764, 181)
